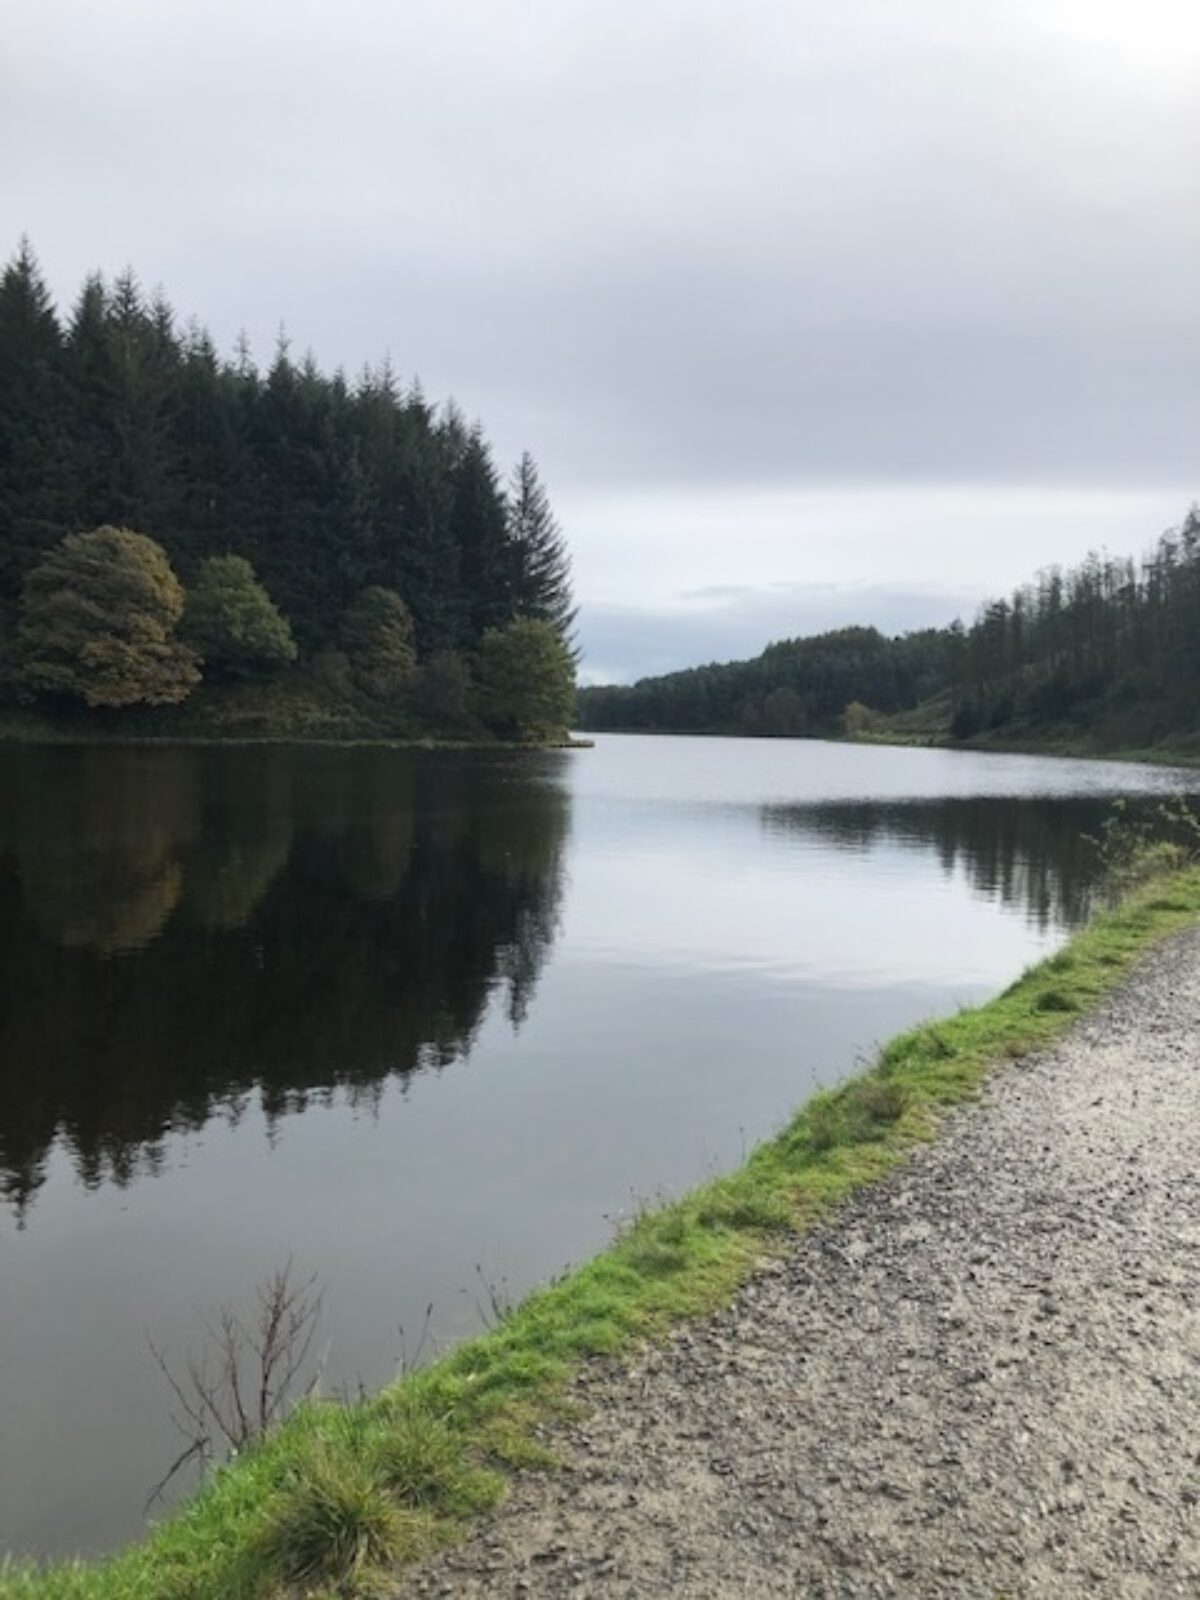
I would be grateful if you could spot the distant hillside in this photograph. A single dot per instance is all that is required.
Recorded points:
(1105, 655)
(799, 686)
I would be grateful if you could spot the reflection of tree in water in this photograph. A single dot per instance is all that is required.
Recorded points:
(338, 917)
(99, 850)
(245, 841)
(1029, 853)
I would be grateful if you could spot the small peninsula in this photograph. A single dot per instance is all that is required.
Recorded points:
(192, 547)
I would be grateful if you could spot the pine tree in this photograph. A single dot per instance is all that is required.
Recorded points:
(145, 358)
(94, 392)
(35, 464)
(208, 452)
(541, 563)
(480, 528)
(417, 535)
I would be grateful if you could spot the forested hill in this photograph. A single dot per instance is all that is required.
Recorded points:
(797, 686)
(116, 415)
(1107, 653)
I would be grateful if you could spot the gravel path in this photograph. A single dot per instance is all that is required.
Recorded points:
(981, 1379)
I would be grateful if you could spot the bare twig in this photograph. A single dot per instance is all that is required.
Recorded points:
(246, 1378)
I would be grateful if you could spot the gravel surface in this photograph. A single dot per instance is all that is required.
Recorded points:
(981, 1379)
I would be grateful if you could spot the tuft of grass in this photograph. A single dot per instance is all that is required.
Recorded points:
(420, 1458)
(1056, 1000)
(335, 1523)
(337, 1494)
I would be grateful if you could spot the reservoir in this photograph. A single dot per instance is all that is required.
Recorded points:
(430, 1023)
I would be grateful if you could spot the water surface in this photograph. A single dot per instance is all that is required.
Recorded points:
(402, 1016)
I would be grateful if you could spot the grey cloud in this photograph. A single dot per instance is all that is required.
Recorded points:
(724, 243)
(729, 245)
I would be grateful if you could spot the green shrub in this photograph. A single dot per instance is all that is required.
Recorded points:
(233, 622)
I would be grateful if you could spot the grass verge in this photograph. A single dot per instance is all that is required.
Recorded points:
(339, 1494)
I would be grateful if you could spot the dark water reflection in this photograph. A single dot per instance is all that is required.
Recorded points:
(397, 1014)
(181, 926)
(184, 925)
(1034, 855)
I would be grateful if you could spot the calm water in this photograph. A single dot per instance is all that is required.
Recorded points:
(402, 1015)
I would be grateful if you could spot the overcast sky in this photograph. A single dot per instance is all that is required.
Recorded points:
(809, 312)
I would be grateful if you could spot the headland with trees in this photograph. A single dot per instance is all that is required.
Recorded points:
(1101, 658)
(192, 546)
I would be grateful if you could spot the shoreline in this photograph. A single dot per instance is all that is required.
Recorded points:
(973, 1379)
(140, 741)
(1154, 756)
(407, 1470)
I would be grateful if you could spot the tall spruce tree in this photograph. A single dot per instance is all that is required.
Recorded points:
(144, 367)
(541, 562)
(480, 527)
(36, 487)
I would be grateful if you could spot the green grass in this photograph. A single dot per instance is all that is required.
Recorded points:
(1092, 737)
(340, 1493)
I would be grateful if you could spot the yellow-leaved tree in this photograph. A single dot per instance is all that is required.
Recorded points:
(98, 620)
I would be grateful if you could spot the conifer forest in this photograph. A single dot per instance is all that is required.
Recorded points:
(175, 524)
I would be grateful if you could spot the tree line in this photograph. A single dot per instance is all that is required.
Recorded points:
(1108, 646)
(170, 517)
(1108, 638)
(797, 686)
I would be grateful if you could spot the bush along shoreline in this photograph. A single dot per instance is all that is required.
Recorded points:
(340, 1494)
(110, 646)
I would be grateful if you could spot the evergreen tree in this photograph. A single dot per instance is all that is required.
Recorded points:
(541, 563)
(94, 399)
(36, 489)
(209, 452)
(480, 529)
(142, 371)
(419, 552)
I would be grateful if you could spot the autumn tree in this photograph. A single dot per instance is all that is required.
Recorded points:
(857, 719)
(98, 620)
(377, 637)
(525, 680)
(233, 622)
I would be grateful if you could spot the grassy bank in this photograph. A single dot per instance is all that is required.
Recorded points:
(340, 1493)
(1185, 754)
(1094, 737)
